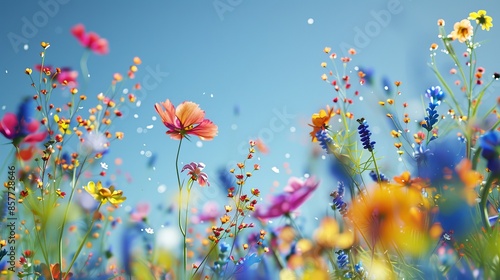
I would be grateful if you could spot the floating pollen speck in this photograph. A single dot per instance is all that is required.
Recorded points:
(275, 169)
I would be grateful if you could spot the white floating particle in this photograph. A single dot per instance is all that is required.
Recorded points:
(148, 153)
(139, 130)
(323, 157)
(128, 208)
(161, 188)
(203, 93)
(292, 129)
(153, 118)
(199, 144)
(211, 95)
(144, 131)
(6, 71)
(149, 126)
(142, 152)
(125, 91)
(316, 218)
(104, 165)
(136, 116)
(275, 169)
(306, 175)
(88, 75)
(26, 47)
(340, 120)
(3, 107)
(287, 155)
(149, 179)
(386, 88)
(138, 103)
(234, 126)
(310, 21)
(149, 230)
(361, 98)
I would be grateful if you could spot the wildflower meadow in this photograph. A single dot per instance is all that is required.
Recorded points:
(389, 181)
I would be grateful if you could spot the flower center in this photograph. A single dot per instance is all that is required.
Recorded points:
(105, 192)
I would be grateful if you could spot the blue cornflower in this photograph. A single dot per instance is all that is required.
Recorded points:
(383, 178)
(342, 259)
(226, 179)
(338, 202)
(359, 268)
(435, 94)
(432, 116)
(490, 145)
(324, 139)
(365, 133)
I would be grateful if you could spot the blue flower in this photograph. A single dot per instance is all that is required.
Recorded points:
(435, 94)
(365, 134)
(338, 202)
(490, 145)
(226, 179)
(383, 178)
(432, 116)
(342, 259)
(324, 139)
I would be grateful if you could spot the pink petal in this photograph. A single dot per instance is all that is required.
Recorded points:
(206, 130)
(78, 31)
(8, 125)
(167, 112)
(101, 46)
(35, 137)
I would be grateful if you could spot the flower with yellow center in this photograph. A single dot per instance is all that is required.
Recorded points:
(105, 194)
(462, 31)
(481, 18)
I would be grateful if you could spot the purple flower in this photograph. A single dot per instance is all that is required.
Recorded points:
(195, 169)
(365, 134)
(296, 193)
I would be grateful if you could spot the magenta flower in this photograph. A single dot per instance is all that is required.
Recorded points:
(196, 174)
(209, 213)
(296, 193)
(22, 128)
(90, 40)
(68, 77)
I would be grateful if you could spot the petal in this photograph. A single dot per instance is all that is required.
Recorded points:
(167, 113)
(191, 166)
(36, 137)
(8, 125)
(101, 46)
(78, 31)
(206, 130)
(189, 113)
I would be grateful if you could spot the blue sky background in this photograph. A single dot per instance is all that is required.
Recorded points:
(242, 61)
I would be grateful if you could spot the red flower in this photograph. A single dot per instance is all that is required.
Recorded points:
(22, 128)
(90, 40)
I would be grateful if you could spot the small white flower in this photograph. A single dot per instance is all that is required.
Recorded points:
(149, 230)
(104, 166)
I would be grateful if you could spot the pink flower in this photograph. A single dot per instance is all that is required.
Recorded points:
(68, 77)
(210, 212)
(90, 40)
(22, 128)
(140, 213)
(296, 193)
(186, 119)
(196, 174)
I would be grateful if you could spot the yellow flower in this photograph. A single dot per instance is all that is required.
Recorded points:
(462, 31)
(104, 194)
(62, 124)
(482, 19)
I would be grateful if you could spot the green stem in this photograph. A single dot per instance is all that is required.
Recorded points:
(179, 212)
(83, 241)
(484, 199)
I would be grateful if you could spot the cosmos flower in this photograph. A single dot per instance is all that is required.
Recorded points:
(90, 40)
(195, 171)
(105, 194)
(481, 18)
(186, 119)
(296, 193)
(22, 128)
(462, 31)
